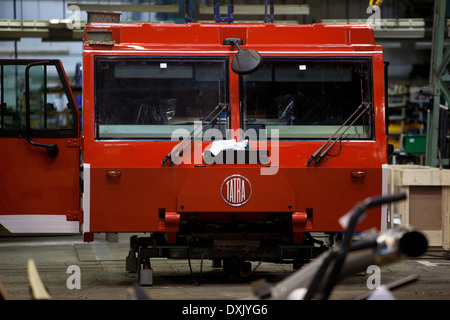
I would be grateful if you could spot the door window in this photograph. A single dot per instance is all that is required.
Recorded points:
(50, 114)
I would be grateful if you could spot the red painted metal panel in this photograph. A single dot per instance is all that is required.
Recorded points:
(132, 203)
(32, 182)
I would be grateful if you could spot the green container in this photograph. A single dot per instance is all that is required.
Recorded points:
(415, 143)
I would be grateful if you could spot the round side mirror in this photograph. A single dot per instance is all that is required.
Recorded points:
(245, 61)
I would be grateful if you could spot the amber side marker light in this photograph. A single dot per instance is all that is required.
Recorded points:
(113, 174)
(358, 174)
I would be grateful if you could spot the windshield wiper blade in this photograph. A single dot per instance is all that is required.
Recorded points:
(316, 155)
(209, 119)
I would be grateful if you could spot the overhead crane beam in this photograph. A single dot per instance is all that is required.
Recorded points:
(163, 8)
(48, 30)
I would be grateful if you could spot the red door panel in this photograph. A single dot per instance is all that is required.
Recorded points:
(39, 190)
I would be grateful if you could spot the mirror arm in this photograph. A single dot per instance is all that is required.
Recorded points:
(245, 61)
(233, 41)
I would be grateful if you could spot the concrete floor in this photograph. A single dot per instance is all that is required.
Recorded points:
(103, 276)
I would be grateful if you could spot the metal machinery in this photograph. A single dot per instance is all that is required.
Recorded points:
(437, 151)
(305, 105)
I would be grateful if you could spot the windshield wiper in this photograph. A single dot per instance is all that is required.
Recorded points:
(212, 117)
(364, 106)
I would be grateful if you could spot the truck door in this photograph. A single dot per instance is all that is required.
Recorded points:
(39, 149)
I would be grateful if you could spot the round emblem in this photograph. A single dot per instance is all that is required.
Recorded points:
(236, 190)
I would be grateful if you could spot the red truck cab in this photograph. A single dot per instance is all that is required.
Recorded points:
(223, 141)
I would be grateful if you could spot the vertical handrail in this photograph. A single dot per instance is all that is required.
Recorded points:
(52, 149)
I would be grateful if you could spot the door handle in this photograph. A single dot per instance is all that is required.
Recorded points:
(52, 149)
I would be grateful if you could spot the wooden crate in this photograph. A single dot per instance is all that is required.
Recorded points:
(427, 206)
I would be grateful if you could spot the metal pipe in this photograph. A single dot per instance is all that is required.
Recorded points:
(391, 246)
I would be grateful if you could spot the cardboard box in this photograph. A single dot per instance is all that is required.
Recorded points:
(427, 206)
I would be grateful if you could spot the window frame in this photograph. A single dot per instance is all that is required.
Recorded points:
(300, 59)
(39, 132)
(98, 59)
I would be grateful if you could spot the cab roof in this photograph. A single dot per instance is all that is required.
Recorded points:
(211, 36)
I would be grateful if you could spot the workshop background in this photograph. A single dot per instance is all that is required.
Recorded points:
(414, 39)
(38, 29)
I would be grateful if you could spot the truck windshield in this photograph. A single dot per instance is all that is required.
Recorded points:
(151, 97)
(308, 98)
